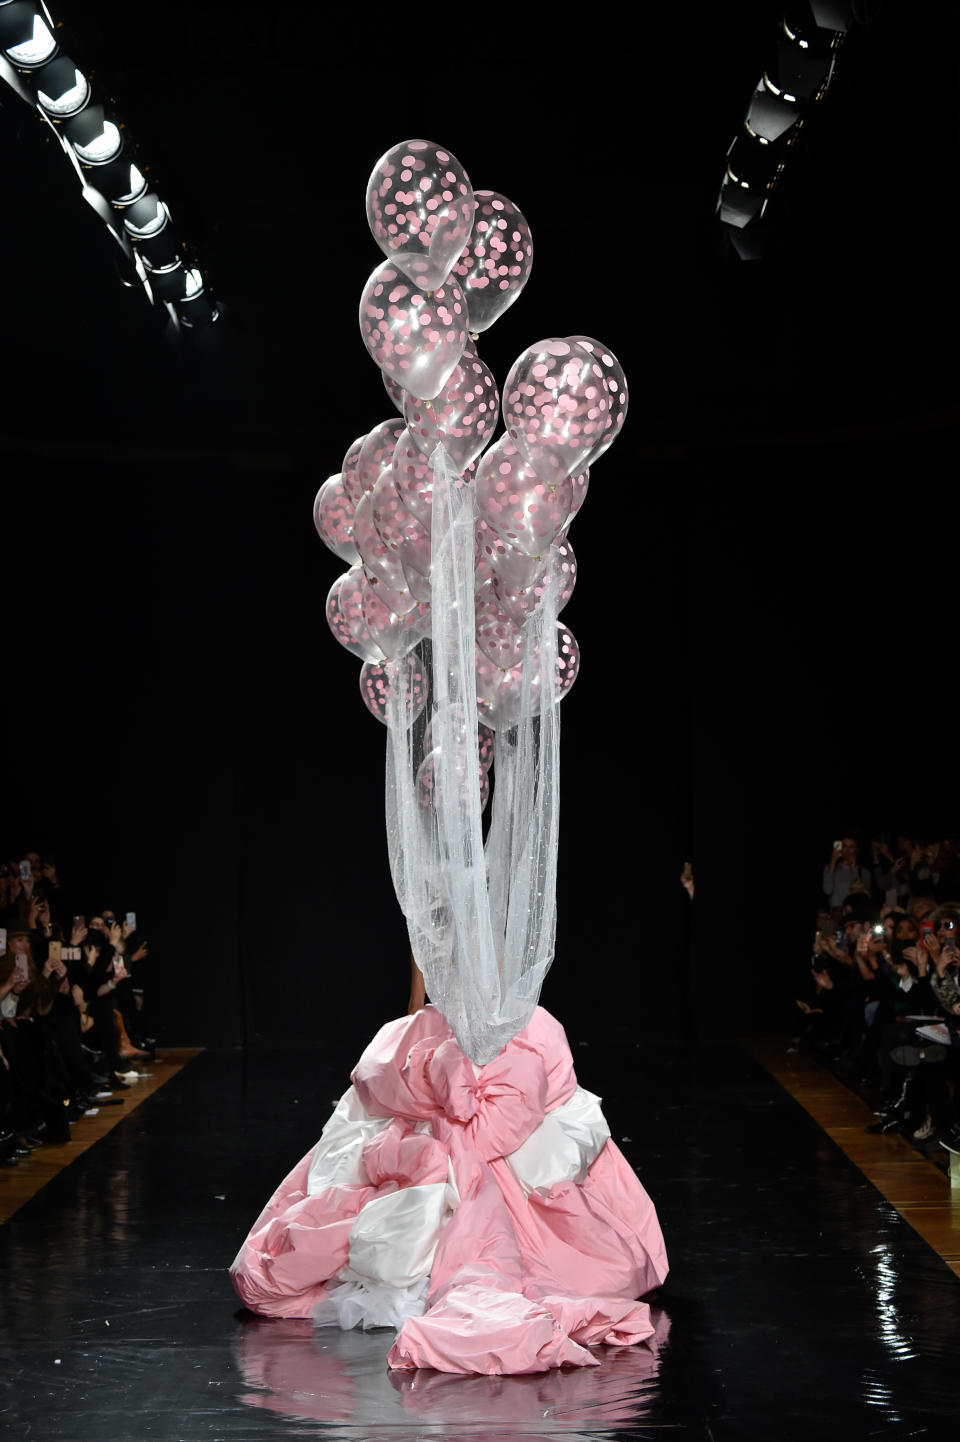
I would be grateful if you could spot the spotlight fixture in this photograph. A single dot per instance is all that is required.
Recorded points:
(93, 139)
(797, 76)
(26, 34)
(61, 89)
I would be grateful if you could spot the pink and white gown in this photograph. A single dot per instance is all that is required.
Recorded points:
(482, 1211)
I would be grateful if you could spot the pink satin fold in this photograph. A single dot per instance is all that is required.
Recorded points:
(519, 1282)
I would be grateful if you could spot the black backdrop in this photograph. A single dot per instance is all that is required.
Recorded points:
(767, 558)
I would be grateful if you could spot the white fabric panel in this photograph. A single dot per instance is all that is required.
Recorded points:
(481, 920)
(395, 1236)
(370, 1304)
(563, 1145)
(337, 1157)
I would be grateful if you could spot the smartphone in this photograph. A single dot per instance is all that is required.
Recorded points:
(3, 941)
(21, 968)
(131, 920)
(879, 929)
(838, 846)
(55, 951)
(26, 871)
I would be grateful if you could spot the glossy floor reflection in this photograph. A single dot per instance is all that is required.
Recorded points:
(799, 1301)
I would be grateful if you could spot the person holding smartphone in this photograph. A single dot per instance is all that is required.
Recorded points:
(842, 872)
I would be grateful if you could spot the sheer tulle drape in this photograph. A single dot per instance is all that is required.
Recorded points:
(481, 919)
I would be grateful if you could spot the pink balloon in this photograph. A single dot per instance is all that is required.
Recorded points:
(395, 391)
(398, 528)
(524, 510)
(578, 487)
(495, 264)
(502, 691)
(492, 556)
(418, 582)
(352, 487)
(378, 683)
(462, 417)
(416, 336)
(333, 518)
(376, 450)
(485, 741)
(520, 602)
(344, 611)
(556, 407)
(429, 783)
(499, 636)
(616, 383)
(378, 562)
(420, 209)
(413, 477)
(395, 635)
(458, 716)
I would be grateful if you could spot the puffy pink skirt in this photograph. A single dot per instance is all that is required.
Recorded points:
(484, 1212)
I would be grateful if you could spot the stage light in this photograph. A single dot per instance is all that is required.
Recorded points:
(112, 183)
(61, 89)
(797, 76)
(145, 217)
(168, 282)
(771, 115)
(120, 182)
(102, 147)
(26, 38)
(159, 250)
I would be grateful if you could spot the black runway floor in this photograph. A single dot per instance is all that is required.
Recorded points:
(799, 1304)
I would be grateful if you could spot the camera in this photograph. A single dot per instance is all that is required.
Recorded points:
(878, 929)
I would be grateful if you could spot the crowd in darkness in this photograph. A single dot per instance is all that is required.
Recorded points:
(73, 1020)
(882, 997)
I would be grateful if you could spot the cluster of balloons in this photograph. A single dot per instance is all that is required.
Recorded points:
(456, 259)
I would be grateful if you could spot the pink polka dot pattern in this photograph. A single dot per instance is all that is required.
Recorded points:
(413, 477)
(578, 485)
(428, 780)
(520, 602)
(495, 265)
(499, 636)
(378, 562)
(415, 336)
(616, 383)
(516, 503)
(394, 390)
(555, 407)
(344, 610)
(420, 209)
(462, 417)
(352, 487)
(485, 740)
(377, 684)
(398, 529)
(459, 718)
(376, 451)
(494, 557)
(333, 518)
(502, 691)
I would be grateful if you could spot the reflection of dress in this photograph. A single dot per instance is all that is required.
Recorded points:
(483, 1211)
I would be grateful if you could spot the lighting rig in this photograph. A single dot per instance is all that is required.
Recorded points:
(797, 78)
(93, 140)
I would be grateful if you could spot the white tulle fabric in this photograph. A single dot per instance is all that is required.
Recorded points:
(481, 919)
(393, 1239)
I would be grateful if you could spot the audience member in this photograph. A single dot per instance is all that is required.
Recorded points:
(71, 1009)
